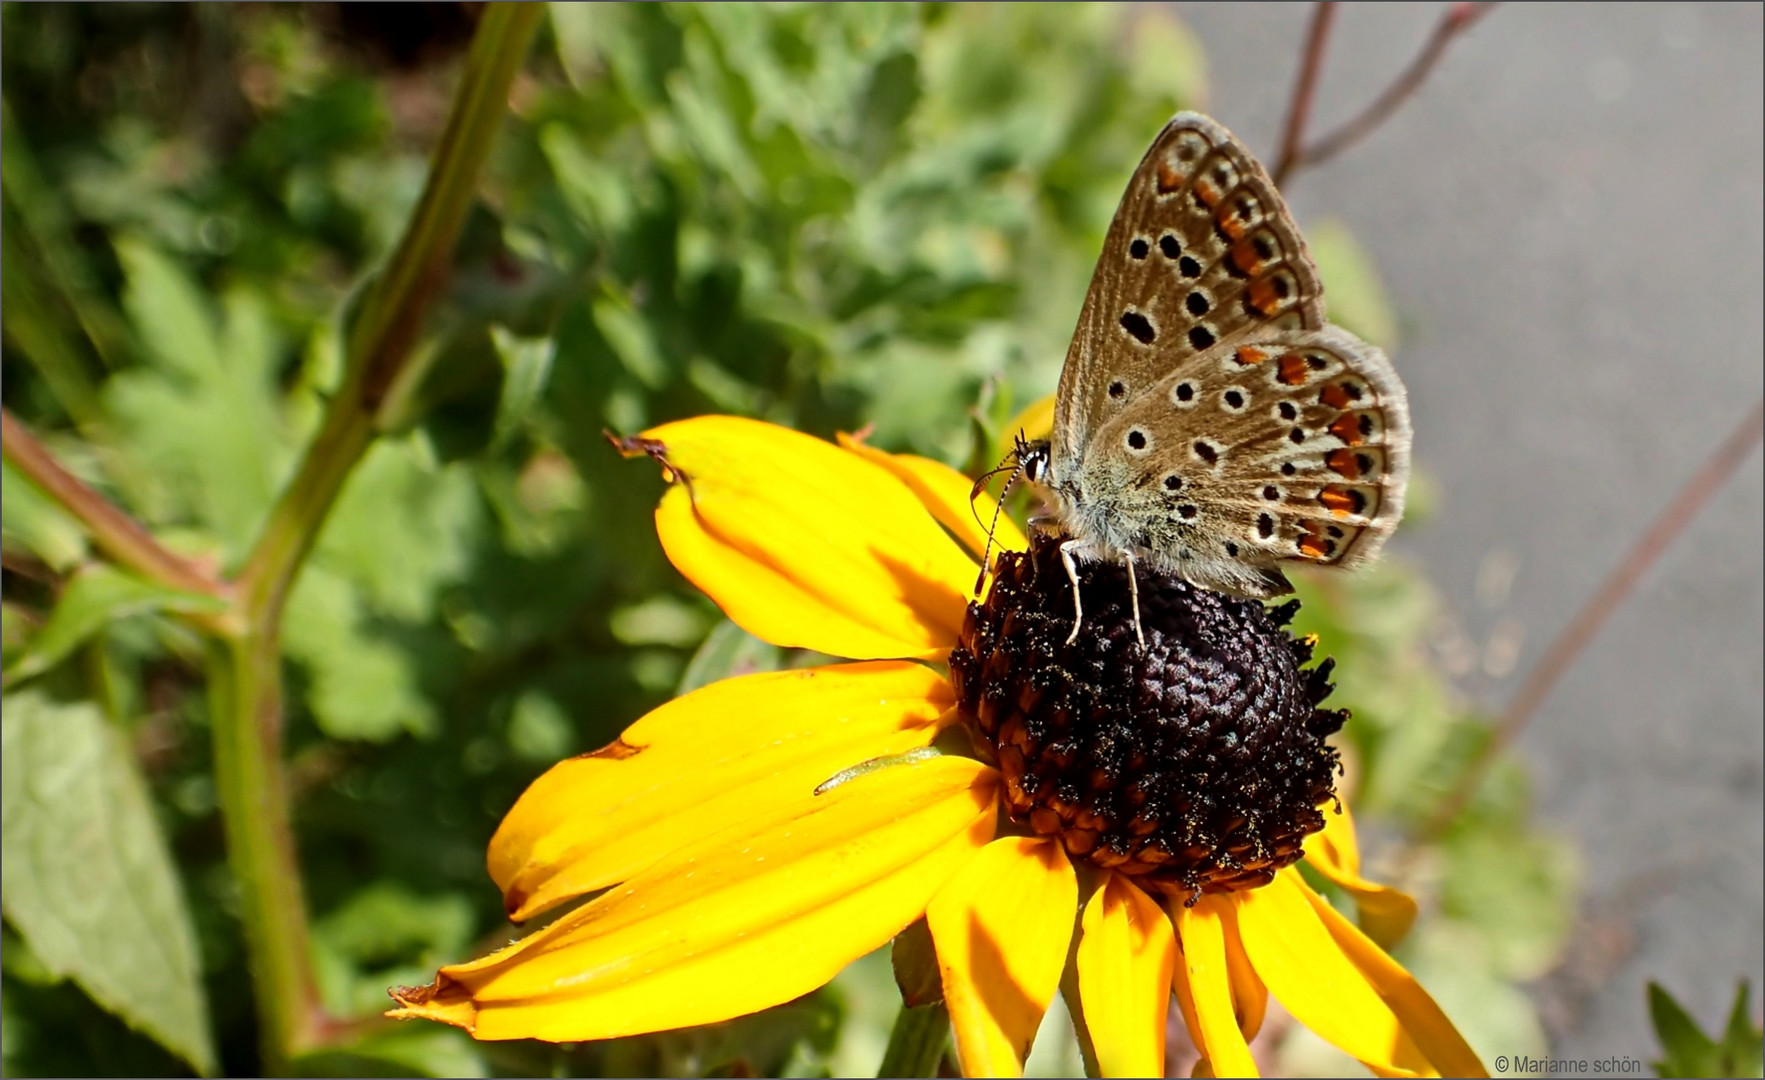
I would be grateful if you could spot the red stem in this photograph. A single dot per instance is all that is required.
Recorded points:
(116, 533)
(1459, 17)
(1317, 41)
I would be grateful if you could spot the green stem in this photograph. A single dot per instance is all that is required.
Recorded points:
(380, 342)
(245, 662)
(252, 785)
(916, 1045)
(245, 671)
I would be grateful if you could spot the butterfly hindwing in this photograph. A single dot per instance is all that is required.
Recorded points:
(1291, 446)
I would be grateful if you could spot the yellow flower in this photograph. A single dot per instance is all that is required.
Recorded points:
(748, 852)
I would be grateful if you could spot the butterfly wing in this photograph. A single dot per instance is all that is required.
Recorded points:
(1202, 250)
(1278, 446)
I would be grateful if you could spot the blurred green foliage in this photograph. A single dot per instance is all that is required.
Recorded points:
(823, 215)
(1687, 1051)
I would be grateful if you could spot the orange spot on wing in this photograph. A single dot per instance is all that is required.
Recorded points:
(1343, 462)
(1335, 396)
(1342, 501)
(1230, 225)
(1208, 194)
(1312, 542)
(1169, 179)
(1263, 298)
(1293, 370)
(1250, 356)
(1347, 428)
(1245, 258)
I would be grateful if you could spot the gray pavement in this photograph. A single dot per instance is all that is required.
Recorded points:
(1569, 220)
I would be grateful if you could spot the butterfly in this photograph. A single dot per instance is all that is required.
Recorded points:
(1209, 421)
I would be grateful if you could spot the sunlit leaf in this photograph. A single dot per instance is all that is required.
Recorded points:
(36, 522)
(95, 596)
(88, 880)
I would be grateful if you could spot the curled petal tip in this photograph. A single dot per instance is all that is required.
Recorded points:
(444, 1000)
(654, 449)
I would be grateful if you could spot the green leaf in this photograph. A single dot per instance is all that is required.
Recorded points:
(1743, 1043)
(16, 628)
(202, 416)
(728, 650)
(95, 596)
(1169, 60)
(539, 729)
(361, 687)
(386, 934)
(632, 340)
(88, 879)
(173, 319)
(1518, 887)
(527, 364)
(34, 520)
(1687, 1050)
(406, 1050)
(402, 528)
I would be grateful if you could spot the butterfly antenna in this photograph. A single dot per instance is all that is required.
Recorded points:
(1015, 467)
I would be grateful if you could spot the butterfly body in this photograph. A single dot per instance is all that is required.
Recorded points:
(1209, 420)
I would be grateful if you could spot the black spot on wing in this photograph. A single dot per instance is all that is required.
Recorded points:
(1139, 327)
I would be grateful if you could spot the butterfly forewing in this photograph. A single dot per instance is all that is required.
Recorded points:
(1201, 250)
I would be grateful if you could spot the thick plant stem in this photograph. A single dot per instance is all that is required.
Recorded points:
(252, 785)
(245, 671)
(380, 342)
(916, 1044)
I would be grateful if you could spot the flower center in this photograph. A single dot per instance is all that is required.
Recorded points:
(1197, 763)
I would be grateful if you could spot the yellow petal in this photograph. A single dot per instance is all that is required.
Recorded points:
(1204, 989)
(731, 751)
(1424, 1020)
(1334, 850)
(739, 921)
(1002, 927)
(1307, 972)
(805, 545)
(1127, 957)
(1386, 914)
(1250, 998)
(944, 491)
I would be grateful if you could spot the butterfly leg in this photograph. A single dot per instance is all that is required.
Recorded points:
(1134, 593)
(1072, 571)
